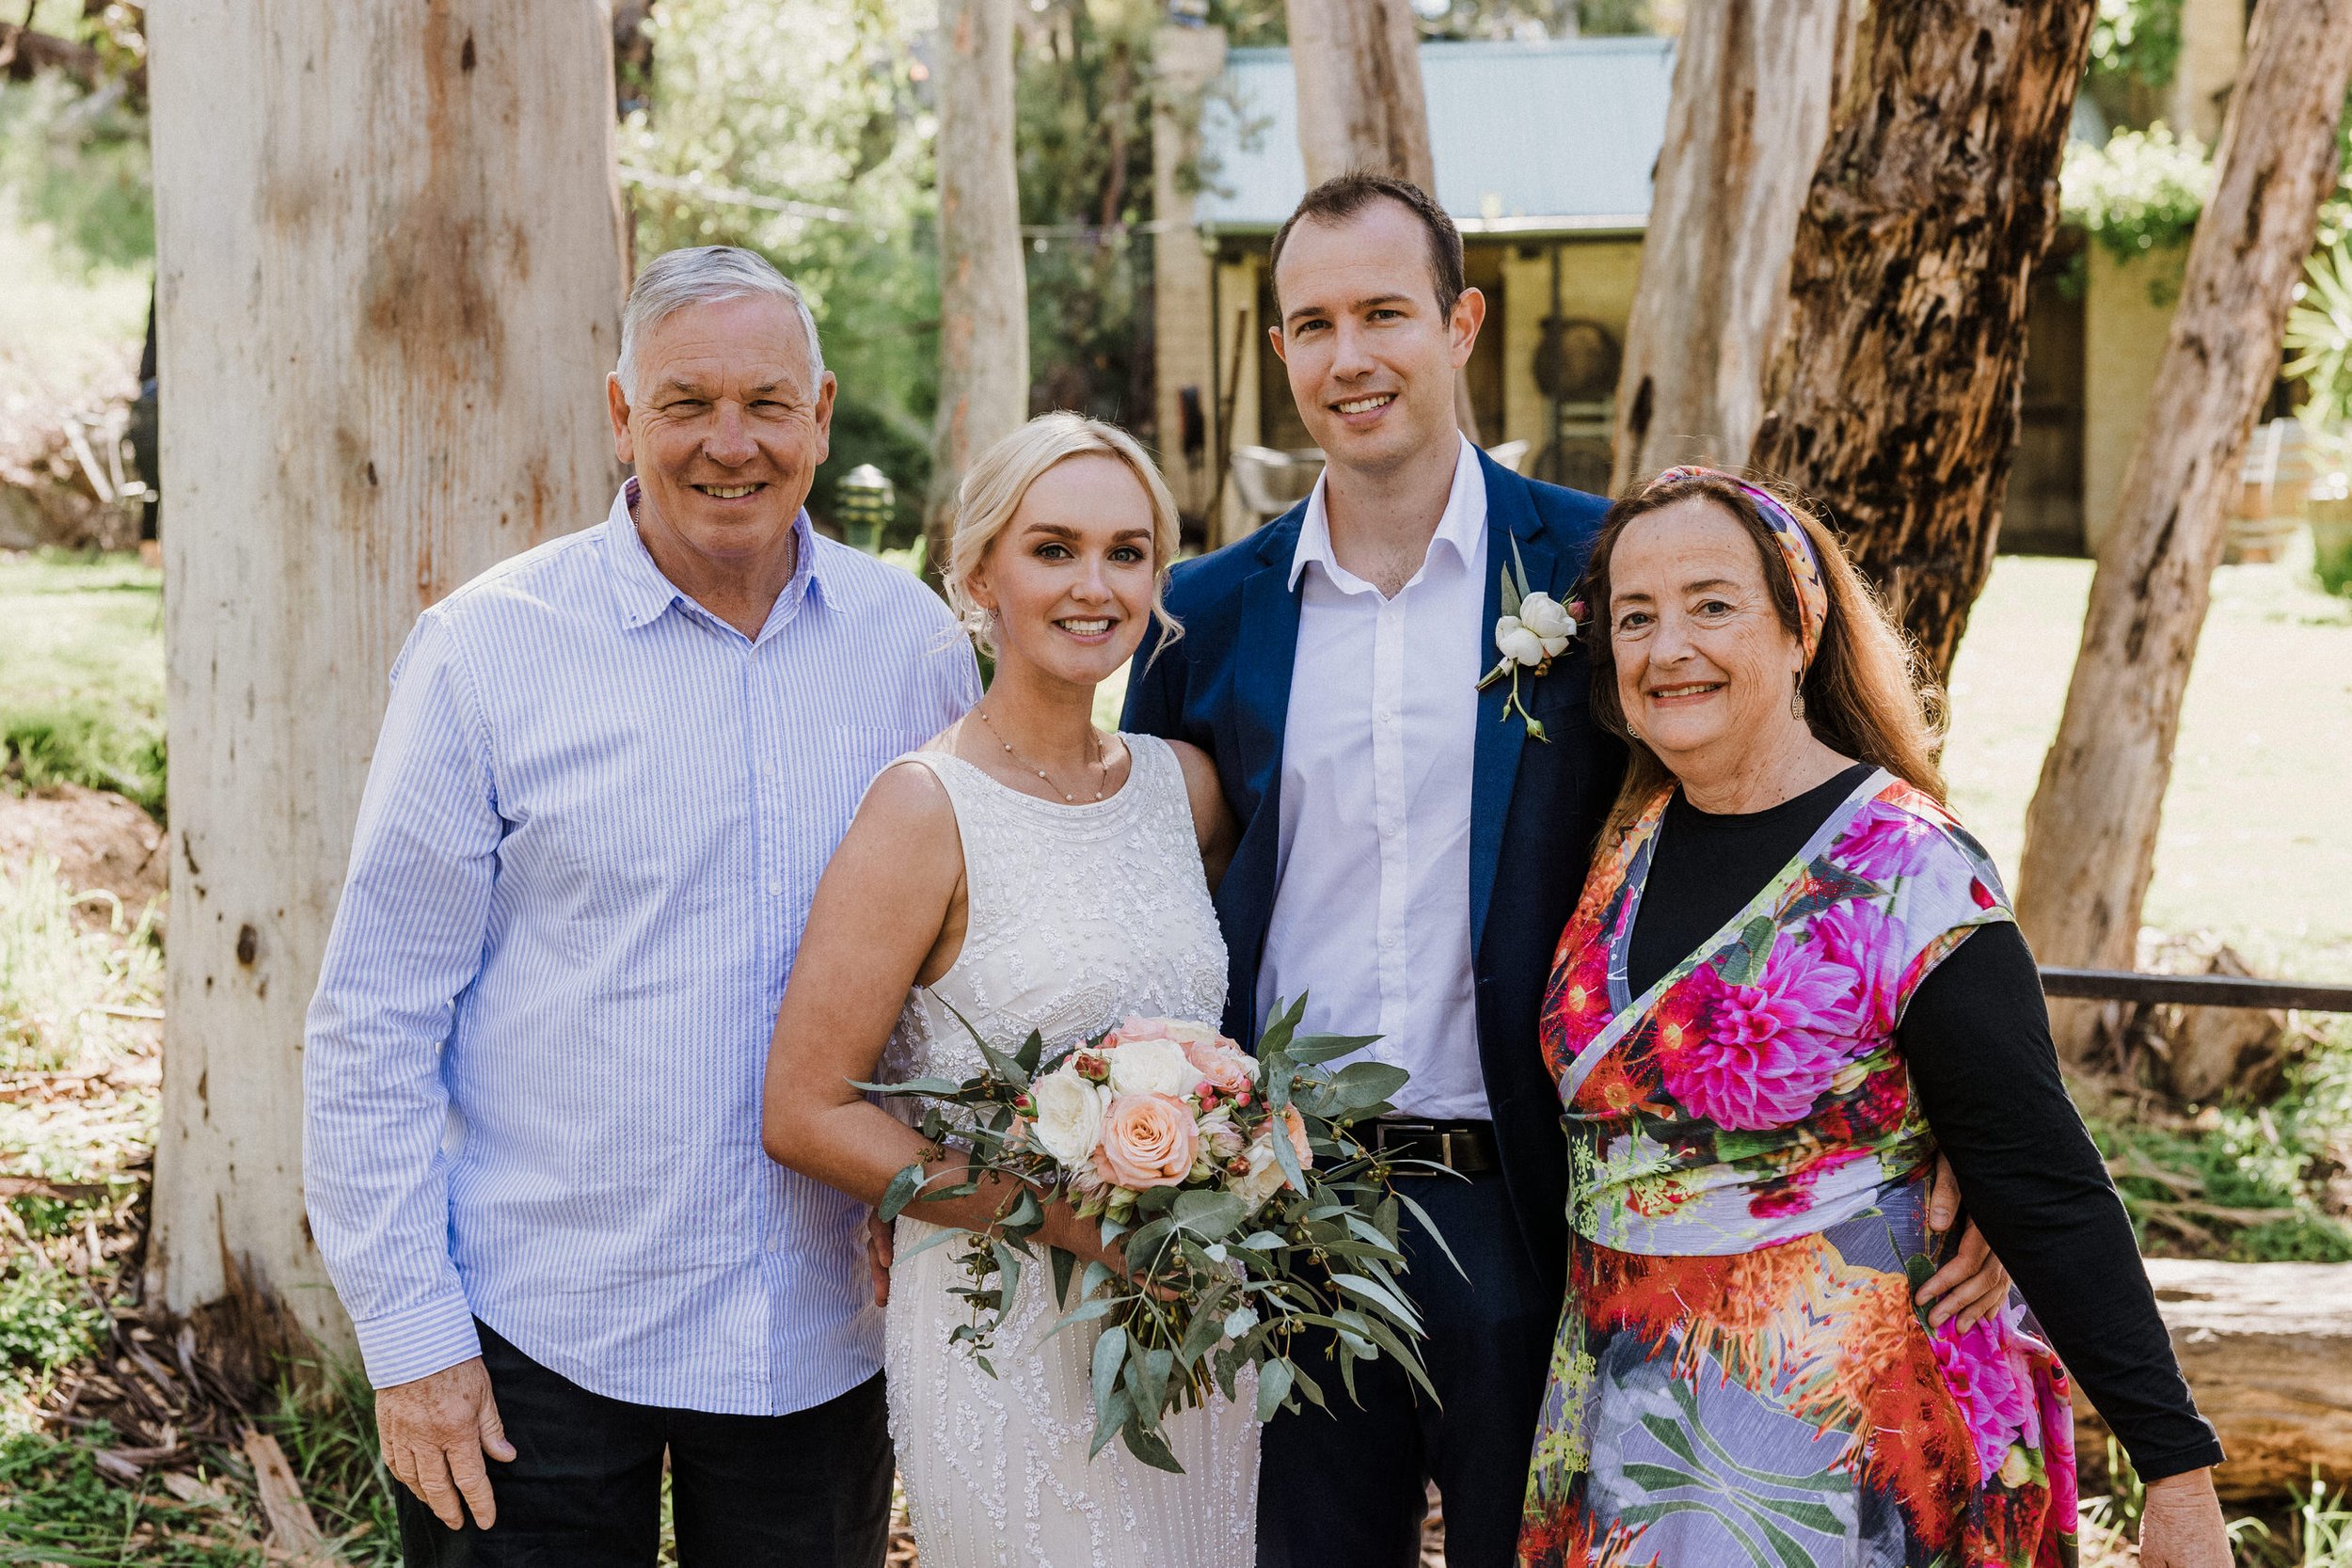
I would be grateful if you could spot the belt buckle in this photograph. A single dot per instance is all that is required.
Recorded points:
(1404, 1130)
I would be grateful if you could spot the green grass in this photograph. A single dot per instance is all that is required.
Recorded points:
(80, 639)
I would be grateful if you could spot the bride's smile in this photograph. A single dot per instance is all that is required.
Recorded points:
(1068, 585)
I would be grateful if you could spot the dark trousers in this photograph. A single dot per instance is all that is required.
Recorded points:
(809, 1490)
(1349, 1489)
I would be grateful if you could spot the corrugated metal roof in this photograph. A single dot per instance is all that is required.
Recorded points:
(1528, 138)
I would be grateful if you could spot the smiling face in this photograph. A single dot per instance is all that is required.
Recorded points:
(727, 425)
(1371, 363)
(1705, 665)
(1071, 578)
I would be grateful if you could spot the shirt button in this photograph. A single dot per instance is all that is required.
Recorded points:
(775, 890)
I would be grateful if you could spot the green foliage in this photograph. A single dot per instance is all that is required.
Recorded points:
(77, 163)
(2139, 39)
(2143, 192)
(56, 1509)
(1082, 138)
(84, 698)
(55, 975)
(2319, 335)
(796, 128)
(46, 1318)
(2246, 1184)
(327, 1427)
(2139, 196)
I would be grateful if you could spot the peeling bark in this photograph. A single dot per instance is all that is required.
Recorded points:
(1893, 395)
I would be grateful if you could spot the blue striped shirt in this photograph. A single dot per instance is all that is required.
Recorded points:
(594, 820)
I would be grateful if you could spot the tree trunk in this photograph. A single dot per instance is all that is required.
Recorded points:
(2267, 1351)
(390, 277)
(1892, 396)
(1753, 80)
(1360, 104)
(1358, 63)
(983, 293)
(2090, 834)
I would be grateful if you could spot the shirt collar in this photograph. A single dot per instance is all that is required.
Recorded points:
(1461, 528)
(645, 593)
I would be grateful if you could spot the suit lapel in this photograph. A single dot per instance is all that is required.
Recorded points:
(1511, 518)
(1269, 646)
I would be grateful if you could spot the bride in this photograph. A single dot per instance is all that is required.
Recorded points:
(1028, 872)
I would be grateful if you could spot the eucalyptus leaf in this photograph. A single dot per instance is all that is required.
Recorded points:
(1210, 1213)
(1366, 1083)
(1110, 1355)
(1274, 1387)
(1145, 1442)
(901, 1192)
(1312, 1049)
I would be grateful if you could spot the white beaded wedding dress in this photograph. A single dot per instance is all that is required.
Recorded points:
(1079, 915)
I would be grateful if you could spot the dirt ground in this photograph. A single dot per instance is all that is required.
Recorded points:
(98, 841)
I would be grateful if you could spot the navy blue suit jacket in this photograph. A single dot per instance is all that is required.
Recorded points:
(1536, 806)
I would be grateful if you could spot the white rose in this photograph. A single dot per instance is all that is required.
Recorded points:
(1152, 1067)
(1550, 620)
(1069, 1115)
(1264, 1177)
(1516, 643)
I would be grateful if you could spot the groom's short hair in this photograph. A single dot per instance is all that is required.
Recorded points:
(1342, 197)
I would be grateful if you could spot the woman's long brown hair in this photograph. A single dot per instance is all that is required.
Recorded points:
(1862, 693)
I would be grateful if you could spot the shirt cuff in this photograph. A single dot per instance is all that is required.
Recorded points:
(402, 1347)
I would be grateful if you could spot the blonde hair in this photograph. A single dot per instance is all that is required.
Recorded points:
(992, 493)
(1865, 692)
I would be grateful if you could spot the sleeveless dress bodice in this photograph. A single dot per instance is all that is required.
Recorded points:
(1077, 916)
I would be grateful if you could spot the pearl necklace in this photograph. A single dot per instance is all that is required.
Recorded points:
(1102, 765)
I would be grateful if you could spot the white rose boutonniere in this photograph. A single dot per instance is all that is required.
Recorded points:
(1536, 629)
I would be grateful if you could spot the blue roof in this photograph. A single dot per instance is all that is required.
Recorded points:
(1528, 138)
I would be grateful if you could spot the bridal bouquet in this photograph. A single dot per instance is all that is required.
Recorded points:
(1246, 1210)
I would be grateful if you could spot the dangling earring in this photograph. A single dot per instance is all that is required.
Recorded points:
(1796, 699)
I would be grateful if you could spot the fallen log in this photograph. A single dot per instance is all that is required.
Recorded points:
(2267, 1349)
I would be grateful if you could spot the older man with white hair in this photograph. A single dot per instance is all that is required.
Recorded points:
(611, 773)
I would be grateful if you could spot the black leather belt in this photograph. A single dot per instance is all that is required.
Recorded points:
(1465, 1146)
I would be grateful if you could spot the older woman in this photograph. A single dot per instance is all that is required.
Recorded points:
(1791, 978)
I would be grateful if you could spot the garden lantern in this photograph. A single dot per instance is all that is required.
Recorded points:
(867, 501)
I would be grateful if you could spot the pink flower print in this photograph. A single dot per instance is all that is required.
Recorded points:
(1984, 1372)
(1881, 844)
(1861, 937)
(1981, 893)
(1754, 1057)
(1794, 1193)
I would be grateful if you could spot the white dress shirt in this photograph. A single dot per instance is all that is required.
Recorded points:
(1372, 915)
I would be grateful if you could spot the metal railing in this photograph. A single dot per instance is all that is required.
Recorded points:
(2195, 991)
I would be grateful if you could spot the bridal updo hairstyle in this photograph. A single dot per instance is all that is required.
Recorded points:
(1864, 692)
(990, 495)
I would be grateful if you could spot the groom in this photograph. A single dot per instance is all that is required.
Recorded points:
(1408, 855)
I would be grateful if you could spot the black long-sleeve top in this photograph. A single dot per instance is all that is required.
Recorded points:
(1976, 1038)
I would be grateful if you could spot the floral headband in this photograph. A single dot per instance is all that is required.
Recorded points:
(1796, 550)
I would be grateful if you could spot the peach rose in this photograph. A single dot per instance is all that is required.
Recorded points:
(1226, 1071)
(1296, 1125)
(1148, 1140)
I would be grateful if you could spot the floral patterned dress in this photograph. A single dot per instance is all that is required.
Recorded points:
(1741, 1375)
